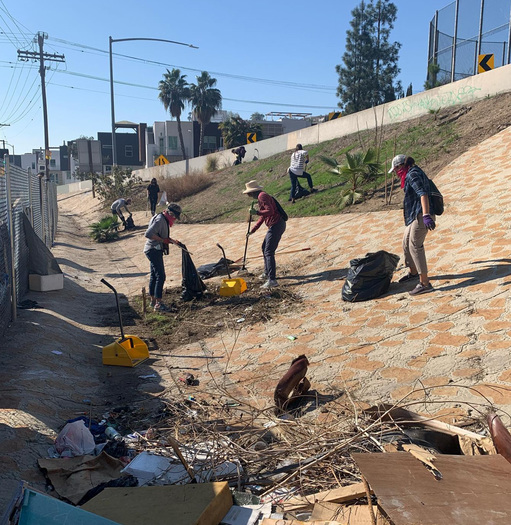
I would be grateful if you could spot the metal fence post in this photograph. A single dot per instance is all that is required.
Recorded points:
(455, 42)
(11, 238)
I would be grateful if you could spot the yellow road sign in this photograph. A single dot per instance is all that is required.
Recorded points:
(485, 63)
(161, 160)
(333, 115)
(251, 137)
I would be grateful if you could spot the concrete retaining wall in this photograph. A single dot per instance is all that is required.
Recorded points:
(75, 186)
(461, 92)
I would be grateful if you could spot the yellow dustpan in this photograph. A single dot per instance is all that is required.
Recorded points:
(128, 350)
(230, 287)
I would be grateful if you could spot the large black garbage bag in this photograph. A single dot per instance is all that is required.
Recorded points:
(193, 287)
(300, 191)
(213, 269)
(369, 277)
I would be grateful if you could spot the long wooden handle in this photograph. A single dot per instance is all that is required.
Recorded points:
(278, 253)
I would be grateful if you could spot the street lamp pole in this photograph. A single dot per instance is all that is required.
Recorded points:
(112, 110)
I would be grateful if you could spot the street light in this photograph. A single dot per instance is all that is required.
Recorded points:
(111, 41)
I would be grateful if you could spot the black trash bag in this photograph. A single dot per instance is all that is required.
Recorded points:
(129, 223)
(193, 287)
(369, 277)
(300, 191)
(207, 271)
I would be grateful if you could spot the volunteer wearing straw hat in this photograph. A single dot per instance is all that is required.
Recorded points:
(269, 214)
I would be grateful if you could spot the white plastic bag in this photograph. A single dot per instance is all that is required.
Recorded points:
(163, 199)
(75, 439)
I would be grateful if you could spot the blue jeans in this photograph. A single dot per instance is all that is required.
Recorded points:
(294, 182)
(270, 245)
(157, 278)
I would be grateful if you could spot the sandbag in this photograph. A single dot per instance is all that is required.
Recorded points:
(369, 277)
(193, 287)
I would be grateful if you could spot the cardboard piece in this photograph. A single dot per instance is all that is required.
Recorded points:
(473, 490)
(339, 495)
(195, 504)
(349, 515)
(74, 477)
(269, 521)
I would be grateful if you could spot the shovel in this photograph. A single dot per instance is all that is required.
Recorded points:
(230, 286)
(243, 267)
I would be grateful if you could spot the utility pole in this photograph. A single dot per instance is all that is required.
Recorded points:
(42, 57)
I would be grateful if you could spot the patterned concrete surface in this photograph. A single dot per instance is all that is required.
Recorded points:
(446, 347)
(447, 350)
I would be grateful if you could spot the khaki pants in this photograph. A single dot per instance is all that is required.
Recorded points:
(413, 245)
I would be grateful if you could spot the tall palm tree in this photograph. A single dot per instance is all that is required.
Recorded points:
(174, 92)
(206, 100)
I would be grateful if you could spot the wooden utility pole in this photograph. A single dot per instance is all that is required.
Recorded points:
(41, 56)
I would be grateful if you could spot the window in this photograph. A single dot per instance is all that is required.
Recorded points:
(68, 176)
(172, 142)
(52, 163)
(162, 145)
(108, 169)
(33, 165)
(42, 168)
(209, 142)
(128, 151)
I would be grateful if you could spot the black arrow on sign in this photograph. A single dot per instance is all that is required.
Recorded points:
(484, 63)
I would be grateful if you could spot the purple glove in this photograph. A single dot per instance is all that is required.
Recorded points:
(428, 222)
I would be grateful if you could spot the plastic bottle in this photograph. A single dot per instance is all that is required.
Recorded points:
(111, 433)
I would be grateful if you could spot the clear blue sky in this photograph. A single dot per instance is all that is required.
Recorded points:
(266, 55)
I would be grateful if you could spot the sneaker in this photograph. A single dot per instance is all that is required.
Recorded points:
(160, 307)
(153, 303)
(313, 190)
(408, 277)
(263, 276)
(421, 288)
(270, 283)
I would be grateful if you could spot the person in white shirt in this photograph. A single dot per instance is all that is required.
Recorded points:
(116, 208)
(299, 159)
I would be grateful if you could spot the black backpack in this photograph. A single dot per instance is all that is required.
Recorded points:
(435, 198)
(280, 209)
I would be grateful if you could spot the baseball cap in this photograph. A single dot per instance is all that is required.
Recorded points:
(397, 161)
(175, 209)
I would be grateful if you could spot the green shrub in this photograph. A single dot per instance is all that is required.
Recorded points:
(105, 230)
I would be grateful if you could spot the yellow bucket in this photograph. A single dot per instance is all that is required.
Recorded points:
(127, 351)
(232, 287)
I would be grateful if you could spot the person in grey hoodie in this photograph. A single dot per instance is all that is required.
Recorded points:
(157, 244)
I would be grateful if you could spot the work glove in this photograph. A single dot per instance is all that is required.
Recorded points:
(249, 234)
(428, 222)
(252, 211)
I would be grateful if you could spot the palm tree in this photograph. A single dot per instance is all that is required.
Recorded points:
(206, 100)
(360, 168)
(174, 92)
(234, 131)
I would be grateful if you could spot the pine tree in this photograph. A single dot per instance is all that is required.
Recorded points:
(367, 76)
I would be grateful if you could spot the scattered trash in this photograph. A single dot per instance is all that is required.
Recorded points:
(148, 376)
(291, 337)
(56, 352)
(188, 379)
(240, 320)
(75, 439)
(293, 385)
(112, 433)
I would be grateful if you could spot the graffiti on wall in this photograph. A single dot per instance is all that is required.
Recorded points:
(426, 103)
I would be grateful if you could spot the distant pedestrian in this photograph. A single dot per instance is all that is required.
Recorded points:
(240, 152)
(275, 220)
(153, 190)
(418, 221)
(116, 208)
(157, 244)
(299, 160)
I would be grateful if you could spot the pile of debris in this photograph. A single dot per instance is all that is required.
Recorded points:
(320, 460)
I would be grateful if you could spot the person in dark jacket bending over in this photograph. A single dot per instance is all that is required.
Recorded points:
(269, 214)
(418, 221)
(157, 243)
(152, 195)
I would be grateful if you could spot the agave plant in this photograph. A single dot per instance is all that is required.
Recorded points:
(359, 169)
(105, 230)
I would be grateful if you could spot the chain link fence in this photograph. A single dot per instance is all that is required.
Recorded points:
(462, 31)
(21, 193)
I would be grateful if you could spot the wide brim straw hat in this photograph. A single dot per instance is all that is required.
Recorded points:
(252, 186)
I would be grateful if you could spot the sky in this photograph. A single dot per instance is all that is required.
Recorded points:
(266, 56)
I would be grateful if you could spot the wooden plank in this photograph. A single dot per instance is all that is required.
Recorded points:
(349, 515)
(474, 489)
(195, 504)
(339, 495)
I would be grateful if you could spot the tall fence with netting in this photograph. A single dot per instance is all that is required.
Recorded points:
(462, 32)
(21, 194)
